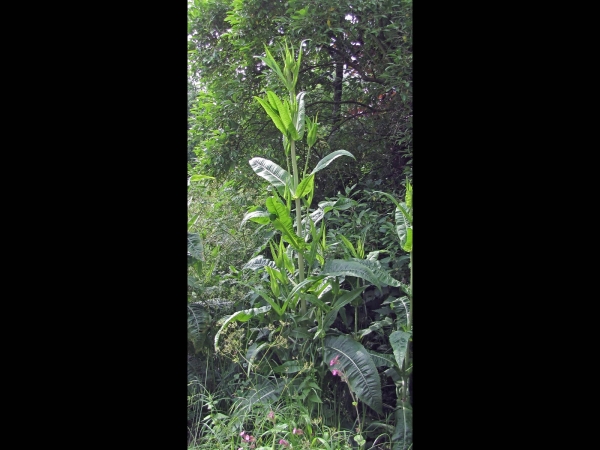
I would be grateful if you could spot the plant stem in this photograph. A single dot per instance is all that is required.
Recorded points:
(298, 225)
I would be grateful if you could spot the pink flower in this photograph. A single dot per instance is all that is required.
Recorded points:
(297, 431)
(335, 372)
(334, 361)
(284, 442)
(271, 415)
(242, 433)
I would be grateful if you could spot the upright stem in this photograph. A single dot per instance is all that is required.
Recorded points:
(298, 225)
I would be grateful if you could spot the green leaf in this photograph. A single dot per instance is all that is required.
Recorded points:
(340, 302)
(348, 245)
(259, 216)
(253, 352)
(399, 342)
(199, 177)
(358, 268)
(357, 367)
(288, 367)
(404, 229)
(195, 248)
(240, 316)
(193, 221)
(378, 325)
(330, 158)
(300, 115)
(272, 172)
(402, 437)
(305, 187)
(258, 263)
(382, 359)
(382, 275)
(283, 221)
(273, 114)
(266, 391)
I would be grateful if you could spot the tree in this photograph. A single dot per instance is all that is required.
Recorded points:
(356, 69)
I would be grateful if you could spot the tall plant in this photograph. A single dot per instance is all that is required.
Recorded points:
(298, 272)
(289, 117)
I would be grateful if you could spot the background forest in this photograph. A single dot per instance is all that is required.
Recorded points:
(299, 224)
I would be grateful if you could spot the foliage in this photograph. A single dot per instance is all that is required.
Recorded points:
(356, 68)
(290, 333)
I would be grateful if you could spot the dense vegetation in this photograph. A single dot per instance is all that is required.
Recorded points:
(300, 224)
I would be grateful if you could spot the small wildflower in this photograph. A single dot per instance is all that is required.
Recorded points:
(335, 372)
(242, 433)
(271, 415)
(297, 431)
(284, 442)
(334, 360)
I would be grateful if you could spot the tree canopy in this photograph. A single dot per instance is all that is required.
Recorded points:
(356, 71)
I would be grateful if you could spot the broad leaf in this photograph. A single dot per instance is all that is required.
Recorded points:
(273, 114)
(330, 158)
(382, 359)
(375, 326)
(253, 352)
(195, 249)
(402, 437)
(258, 263)
(357, 367)
(381, 274)
(305, 187)
(399, 343)
(364, 269)
(259, 216)
(283, 222)
(404, 229)
(266, 391)
(272, 172)
(340, 302)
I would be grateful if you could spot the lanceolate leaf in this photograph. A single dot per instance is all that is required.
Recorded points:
(240, 316)
(329, 159)
(259, 216)
(404, 229)
(340, 302)
(382, 359)
(399, 343)
(300, 115)
(306, 186)
(268, 390)
(273, 114)
(270, 61)
(357, 367)
(402, 437)
(258, 263)
(272, 172)
(195, 247)
(364, 269)
(381, 274)
(252, 352)
(283, 221)
(200, 177)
